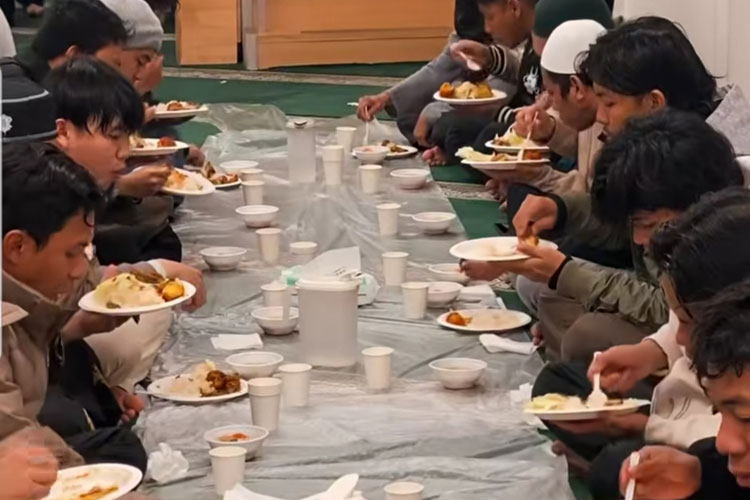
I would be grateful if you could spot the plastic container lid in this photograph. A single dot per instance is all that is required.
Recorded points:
(329, 284)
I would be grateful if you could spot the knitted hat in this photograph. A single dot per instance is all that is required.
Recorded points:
(549, 14)
(143, 27)
(568, 41)
(28, 110)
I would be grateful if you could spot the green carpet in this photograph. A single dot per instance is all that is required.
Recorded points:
(458, 173)
(300, 99)
(382, 69)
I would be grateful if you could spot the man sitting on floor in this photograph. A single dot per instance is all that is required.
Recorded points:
(48, 223)
(710, 237)
(645, 176)
(97, 110)
(528, 23)
(406, 100)
(702, 246)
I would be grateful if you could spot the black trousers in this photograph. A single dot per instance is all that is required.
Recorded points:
(81, 409)
(605, 453)
(454, 130)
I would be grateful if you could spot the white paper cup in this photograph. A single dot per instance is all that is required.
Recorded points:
(333, 153)
(273, 294)
(251, 174)
(252, 192)
(378, 367)
(394, 267)
(265, 399)
(345, 138)
(388, 218)
(270, 244)
(415, 299)
(303, 251)
(404, 491)
(228, 466)
(369, 176)
(296, 383)
(333, 171)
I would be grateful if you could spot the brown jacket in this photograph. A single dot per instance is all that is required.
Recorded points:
(32, 326)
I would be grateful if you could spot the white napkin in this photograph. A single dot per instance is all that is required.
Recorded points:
(494, 344)
(228, 342)
(477, 292)
(167, 465)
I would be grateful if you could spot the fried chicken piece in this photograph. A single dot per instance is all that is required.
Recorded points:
(174, 106)
(222, 383)
(533, 155)
(458, 319)
(447, 90)
(532, 240)
(171, 290)
(149, 277)
(166, 142)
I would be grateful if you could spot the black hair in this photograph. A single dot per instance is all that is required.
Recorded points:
(42, 190)
(703, 250)
(490, 2)
(721, 335)
(664, 161)
(86, 24)
(652, 53)
(88, 92)
(559, 79)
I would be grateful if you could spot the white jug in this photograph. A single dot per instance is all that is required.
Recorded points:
(301, 151)
(328, 321)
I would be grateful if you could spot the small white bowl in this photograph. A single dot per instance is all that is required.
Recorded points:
(458, 373)
(434, 222)
(253, 445)
(223, 258)
(270, 320)
(255, 364)
(258, 215)
(449, 272)
(443, 293)
(371, 154)
(236, 166)
(411, 178)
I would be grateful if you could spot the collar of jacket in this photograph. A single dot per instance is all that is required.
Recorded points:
(44, 317)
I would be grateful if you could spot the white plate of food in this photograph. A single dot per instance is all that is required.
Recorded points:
(483, 320)
(468, 94)
(557, 407)
(179, 109)
(510, 142)
(135, 293)
(499, 161)
(204, 384)
(398, 151)
(185, 183)
(155, 147)
(495, 249)
(219, 180)
(95, 482)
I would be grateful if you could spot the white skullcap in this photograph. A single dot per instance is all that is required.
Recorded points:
(566, 42)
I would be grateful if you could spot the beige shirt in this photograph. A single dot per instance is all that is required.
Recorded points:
(584, 147)
(681, 414)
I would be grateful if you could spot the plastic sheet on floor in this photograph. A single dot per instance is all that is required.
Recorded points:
(471, 444)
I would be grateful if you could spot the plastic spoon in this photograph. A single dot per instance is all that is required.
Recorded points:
(635, 459)
(528, 138)
(597, 398)
(471, 63)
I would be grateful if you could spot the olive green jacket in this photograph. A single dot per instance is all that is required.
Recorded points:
(633, 294)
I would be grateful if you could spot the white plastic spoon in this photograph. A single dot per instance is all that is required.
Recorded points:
(597, 398)
(471, 63)
(635, 459)
(528, 138)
